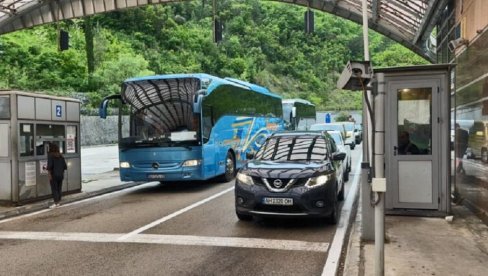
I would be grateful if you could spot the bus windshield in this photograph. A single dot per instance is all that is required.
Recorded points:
(161, 113)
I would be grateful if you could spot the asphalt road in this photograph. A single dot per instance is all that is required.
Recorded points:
(163, 229)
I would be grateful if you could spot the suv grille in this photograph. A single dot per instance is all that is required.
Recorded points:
(279, 184)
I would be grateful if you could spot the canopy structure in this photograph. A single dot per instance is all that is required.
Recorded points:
(409, 22)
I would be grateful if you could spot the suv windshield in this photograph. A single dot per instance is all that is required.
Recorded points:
(293, 148)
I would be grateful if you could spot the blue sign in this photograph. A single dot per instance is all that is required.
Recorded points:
(59, 111)
(327, 118)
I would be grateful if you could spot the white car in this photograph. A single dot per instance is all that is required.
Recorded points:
(348, 139)
(337, 136)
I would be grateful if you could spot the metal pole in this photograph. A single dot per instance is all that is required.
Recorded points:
(214, 17)
(379, 170)
(367, 226)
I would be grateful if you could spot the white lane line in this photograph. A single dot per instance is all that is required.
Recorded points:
(255, 243)
(25, 216)
(332, 263)
(170, 216)
(130, 189)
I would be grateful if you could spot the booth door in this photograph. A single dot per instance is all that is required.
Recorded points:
(415, 142)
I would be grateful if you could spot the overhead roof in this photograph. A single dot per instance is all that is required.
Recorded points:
(410, 22)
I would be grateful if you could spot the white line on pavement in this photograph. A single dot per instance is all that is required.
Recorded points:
(332, 263)
(170, 240)
(170, 216)
(81, 201)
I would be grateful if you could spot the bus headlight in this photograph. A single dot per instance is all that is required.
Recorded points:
(124, 165)
(192, 163)
(244, 179)
(318, 181)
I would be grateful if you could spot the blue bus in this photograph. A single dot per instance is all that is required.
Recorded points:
(191, 126)
(298, 114)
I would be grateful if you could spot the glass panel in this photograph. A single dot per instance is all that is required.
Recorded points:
(415, 121)
(4, 107)
(26, 140)
(45, 134)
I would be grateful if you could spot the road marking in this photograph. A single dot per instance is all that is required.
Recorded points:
(130, 189)
(170, 216)
(332, 263)
(255, 243)
(25, 216)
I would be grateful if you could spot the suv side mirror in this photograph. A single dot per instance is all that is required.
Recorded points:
(338, 156)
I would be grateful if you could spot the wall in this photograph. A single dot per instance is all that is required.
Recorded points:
(97, 131)
(471, 106)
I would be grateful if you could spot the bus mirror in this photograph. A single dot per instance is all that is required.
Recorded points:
(102, 110)
(197, 103)
(294, 112)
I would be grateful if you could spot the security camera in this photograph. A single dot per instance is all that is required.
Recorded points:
(355, 76)
(454, 44)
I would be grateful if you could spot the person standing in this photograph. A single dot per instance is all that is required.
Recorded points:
(56, 165)
(462, 138)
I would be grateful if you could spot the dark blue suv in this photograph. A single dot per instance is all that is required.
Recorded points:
(293, 174)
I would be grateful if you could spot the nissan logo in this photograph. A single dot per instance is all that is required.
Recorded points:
(155, 165)
(278, 183)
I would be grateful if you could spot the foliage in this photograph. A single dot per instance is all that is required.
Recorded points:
(264, 43)
(342, 117)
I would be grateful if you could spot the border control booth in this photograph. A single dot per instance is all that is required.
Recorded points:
(29, 122)
(417, 139)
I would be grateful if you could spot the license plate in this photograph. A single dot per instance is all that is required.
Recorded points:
(155, 176)
(278, 201)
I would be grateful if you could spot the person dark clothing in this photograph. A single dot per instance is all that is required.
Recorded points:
(462, 138)
(409, 148)
(56, 165)
(405, 146)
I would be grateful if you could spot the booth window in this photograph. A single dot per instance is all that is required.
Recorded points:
(71, 139)
(48, 133)
(26, 140)
(4, 107)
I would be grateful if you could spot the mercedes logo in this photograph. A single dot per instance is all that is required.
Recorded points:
(155, 165)
(277, 183)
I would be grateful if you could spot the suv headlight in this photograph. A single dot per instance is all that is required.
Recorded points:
(244, 179)
(124, 165)
(192, 163)
(318, 181)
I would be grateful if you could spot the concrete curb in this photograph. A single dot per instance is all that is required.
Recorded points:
(352, 262)
(34, 207)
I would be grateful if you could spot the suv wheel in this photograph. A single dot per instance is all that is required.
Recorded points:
(340, 196)
(484, 156)
(334, 215)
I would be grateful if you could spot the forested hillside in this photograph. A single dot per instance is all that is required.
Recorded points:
(263, 42)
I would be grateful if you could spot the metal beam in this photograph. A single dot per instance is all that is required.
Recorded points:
(375, 10)
(426, 20)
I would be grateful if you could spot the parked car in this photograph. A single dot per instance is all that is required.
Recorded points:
(293, 174)
(358, 133)
(342, 147)
(350, 134)
(349, 140)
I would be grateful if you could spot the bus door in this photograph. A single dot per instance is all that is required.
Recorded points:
(208, 143)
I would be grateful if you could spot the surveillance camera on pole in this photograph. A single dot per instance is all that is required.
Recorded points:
(355, 76)
(456, 43)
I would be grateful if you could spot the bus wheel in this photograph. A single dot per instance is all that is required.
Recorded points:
(230, 168)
